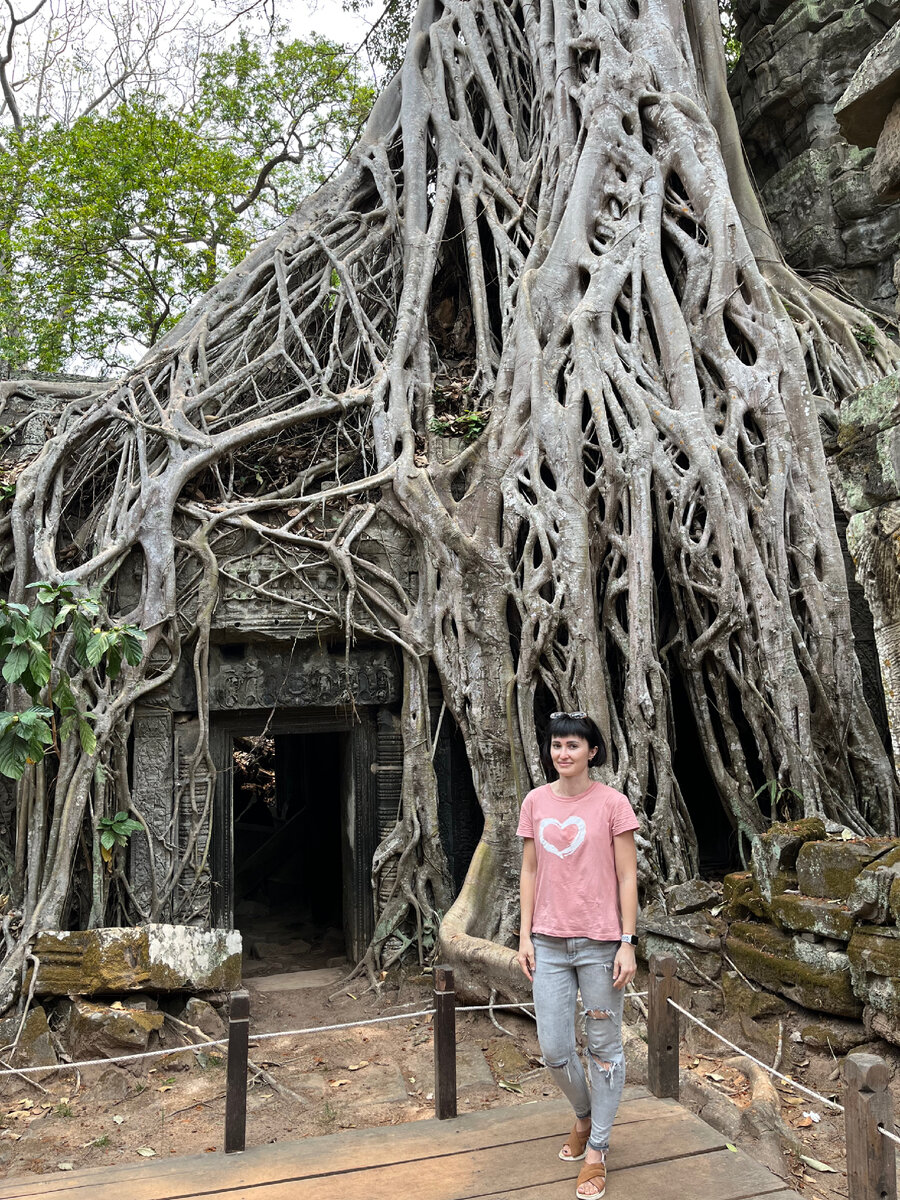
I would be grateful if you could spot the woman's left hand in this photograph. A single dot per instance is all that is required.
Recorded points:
(624, 966)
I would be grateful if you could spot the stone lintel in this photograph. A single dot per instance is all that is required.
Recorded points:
(144, 958)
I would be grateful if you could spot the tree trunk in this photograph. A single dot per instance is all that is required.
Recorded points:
(549, 206)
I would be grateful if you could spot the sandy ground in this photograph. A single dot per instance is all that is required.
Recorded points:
(380, 1075)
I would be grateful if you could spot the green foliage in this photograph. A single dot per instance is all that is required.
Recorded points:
(29, 638)
(733, 47)
(779, 797)
(467, 424)
(114, 832)
(867, 336)
(112, 224)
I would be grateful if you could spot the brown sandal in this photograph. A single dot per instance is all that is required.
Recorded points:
(577, 1143)
(593, 1173)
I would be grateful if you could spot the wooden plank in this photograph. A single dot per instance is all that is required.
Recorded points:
(478, 1174)
(488, 1127)
(367, 1146)
(509, 1138)
(451, 1176)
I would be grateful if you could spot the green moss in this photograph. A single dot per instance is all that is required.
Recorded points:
(768, 957)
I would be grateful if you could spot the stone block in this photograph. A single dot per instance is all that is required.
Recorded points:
(742, 896)
(885, 169)
(106, 1031)
(741, 998)
(827, 918)
(34, 1048)
(863, 108)
(204, 1017)
(839, 1037)
(870, 899)
(775, 854)
(829, 869)
(98, 962)
(894, 902)
(874, 954)
(810, 976)
(690, 897)
(694, 940)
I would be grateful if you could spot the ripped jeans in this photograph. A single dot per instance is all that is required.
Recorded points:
(562, 966)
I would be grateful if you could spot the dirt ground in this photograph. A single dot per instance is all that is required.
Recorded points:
(380, 1075)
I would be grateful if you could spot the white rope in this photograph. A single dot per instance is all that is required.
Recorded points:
(259, 1037)
(765, 1066)
(529, 1004)
(887, 1133)
(103, 1062)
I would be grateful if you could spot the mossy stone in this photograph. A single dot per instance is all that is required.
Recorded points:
(837, 1036)
(870, 898)
(741, 998)
(105, 1031)
(742, 896)
(98, 962)
(770, 958)
(829, 869)
(775, 854)
(34, 1048)
(812, 914)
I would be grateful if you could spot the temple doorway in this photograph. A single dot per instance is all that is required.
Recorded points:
(297, 834)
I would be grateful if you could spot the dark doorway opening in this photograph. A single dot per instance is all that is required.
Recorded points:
(289, 794)
(460, 818)
(716, 837)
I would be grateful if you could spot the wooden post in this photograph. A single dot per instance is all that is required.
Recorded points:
(236, 1085)
(662, 1028)
(444, 1044)
(871, 1167)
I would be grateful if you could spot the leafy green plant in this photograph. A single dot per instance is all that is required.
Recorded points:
(779, 797)
(29, 639)
(114, 832)
(468, 424)
(867, 336)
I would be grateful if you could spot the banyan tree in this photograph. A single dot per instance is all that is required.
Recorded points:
(545, 239)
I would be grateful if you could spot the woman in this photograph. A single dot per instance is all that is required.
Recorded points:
(578, 891)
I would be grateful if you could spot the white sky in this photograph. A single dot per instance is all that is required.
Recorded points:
(326, 17)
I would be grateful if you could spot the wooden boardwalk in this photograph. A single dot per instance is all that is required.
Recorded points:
(659, 1149)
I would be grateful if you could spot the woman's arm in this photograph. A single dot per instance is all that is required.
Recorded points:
(626, 878)
(526, 904)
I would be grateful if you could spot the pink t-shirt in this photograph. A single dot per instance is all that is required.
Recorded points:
(576, 893)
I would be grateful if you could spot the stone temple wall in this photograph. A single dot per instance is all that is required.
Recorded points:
(816, 921)
(797, 59)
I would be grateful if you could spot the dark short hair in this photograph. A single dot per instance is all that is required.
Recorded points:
(566, 726)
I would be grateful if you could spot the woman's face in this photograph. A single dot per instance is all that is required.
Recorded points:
(570, 755)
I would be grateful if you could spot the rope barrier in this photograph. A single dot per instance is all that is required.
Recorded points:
(528, 1004)
(765, 1066)
(887, 1133)
(425, 1012)
(105, 1062)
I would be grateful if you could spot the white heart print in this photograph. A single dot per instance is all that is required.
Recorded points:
(562, 852)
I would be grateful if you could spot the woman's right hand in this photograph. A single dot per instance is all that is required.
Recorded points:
(526, 957)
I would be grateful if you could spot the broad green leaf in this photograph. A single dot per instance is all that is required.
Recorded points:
(88, 737)
(42, 619)
(16, 664)
(107, 839)
(39, 664)
(96, 647)
(13, 755)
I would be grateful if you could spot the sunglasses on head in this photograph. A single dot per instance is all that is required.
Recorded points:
(576, 716)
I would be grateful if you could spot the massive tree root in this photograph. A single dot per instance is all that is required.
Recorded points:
(541, 210)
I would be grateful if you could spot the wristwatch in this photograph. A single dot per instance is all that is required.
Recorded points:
(630, 938)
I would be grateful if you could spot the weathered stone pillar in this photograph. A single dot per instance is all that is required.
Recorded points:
(865, 472)
(152, 795)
